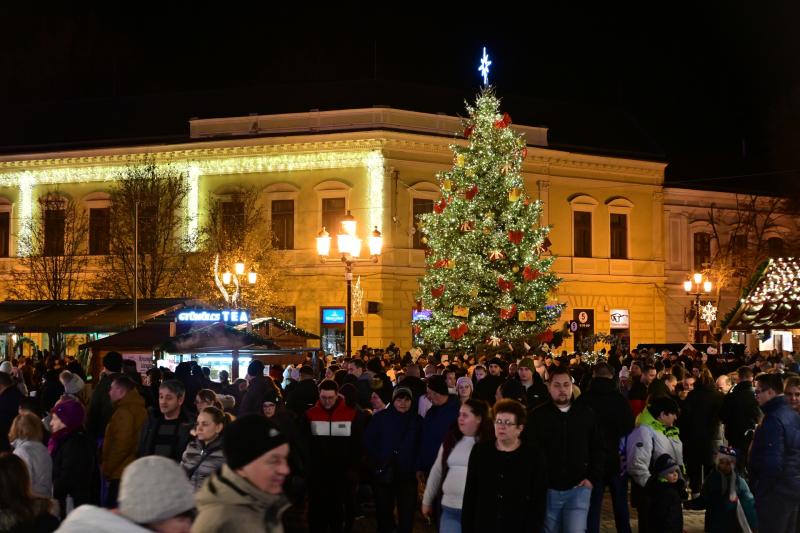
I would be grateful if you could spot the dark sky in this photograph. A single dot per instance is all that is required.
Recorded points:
(713, 90)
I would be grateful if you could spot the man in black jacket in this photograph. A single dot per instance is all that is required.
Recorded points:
(487, 387)
(568, 434)
(100, 406)
(258, 385)
(740, 413)
(303, 394)
(615, 418)
(167, 430)
(535, 390)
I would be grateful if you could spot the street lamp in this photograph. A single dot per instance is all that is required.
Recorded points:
(696, 286)
(349, 247)
(227, 278)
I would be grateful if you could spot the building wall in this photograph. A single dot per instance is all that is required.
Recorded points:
(380, 172)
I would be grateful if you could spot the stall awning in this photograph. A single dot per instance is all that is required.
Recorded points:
(145, 337)
(287, 327)
(81, 316)
(771, 299)
(214, 339)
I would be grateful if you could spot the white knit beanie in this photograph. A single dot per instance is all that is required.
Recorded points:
(153, 489)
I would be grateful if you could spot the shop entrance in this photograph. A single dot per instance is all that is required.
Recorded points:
(333, 321)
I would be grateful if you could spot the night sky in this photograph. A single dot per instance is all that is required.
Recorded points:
(713, 90)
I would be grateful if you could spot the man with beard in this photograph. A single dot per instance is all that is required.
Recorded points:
(568, 434)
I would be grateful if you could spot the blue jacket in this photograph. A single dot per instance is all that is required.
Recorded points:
(394, 437)
(775, 454)
(438, 421)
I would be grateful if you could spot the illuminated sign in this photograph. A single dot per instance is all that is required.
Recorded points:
(425, 314)
(334, 315)
(620, 319)
(226, 315)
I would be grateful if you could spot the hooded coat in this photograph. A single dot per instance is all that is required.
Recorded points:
(228, 502)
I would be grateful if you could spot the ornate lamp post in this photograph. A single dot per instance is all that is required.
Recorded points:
(237, 278)
(695, 286)
(349, 247)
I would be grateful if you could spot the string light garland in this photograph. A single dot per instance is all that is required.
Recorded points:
(195, 164)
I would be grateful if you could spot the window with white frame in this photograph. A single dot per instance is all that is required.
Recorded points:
(583, 207)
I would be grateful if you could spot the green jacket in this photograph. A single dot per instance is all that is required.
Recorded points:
(228, 502)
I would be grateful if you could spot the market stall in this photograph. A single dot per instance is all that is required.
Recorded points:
(283, 332)
(222, 347)
(769, 310)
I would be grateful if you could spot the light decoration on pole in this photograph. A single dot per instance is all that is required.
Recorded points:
(225, 279)
(708, 313)
(696, 286)
(484, 67)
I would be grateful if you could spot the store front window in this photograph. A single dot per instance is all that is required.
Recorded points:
(333, 321)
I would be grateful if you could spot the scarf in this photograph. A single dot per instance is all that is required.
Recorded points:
(56, 439)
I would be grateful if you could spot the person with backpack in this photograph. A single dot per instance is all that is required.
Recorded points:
(654, 436)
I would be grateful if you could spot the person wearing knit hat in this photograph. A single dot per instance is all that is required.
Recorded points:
(726, 497)
(73, 384)
(72, 452)
(154, 495)
(664, 490)
(464, 388)
(247, 494)
(438, 384)
(6, 367)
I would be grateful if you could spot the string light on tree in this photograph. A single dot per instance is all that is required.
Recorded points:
(499, 270)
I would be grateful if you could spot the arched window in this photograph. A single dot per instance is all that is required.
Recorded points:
(619, 210)
(423, 195)
(583, 207)
(334, 198)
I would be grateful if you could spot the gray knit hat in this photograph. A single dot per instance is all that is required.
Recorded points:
(153, 489)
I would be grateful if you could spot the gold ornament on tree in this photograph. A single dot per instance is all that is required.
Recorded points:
(496, 255)
(514, 194)
(447, 185)
(467, 225)
(459, 160)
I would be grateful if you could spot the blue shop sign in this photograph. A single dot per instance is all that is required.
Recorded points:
(334, 315)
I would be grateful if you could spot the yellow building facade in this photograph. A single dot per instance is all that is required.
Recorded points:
(380, 164)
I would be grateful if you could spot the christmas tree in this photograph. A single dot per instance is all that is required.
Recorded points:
(487, 278)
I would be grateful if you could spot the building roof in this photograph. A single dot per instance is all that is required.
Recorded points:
(771, 300)
(80, 316)
(216, 338)
(144, 337)
(287, 327)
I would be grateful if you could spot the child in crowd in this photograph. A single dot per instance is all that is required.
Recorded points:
(727, 498)
(664, 490)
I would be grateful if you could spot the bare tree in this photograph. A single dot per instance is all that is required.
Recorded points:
(236, 229)
(53, 260)
(741, 238)
(54, 245)
(159, 191)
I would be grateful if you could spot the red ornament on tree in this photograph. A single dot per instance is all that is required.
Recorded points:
(530, 274)
(468, 131)
(470, 193)
(546, 244)
(458, 332)
(508, 314)
(419, 305)
(417, 330)
(439, 206)
(503, 122)
(546, 336)
(437, 292)
(515, 236)
(441, 263)
(524, 153)
(504, 284)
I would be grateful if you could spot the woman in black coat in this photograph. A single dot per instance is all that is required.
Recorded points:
(700, 429)
(506, 478)
(72, 452)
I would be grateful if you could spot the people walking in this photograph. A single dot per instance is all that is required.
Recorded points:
(775, 458)
(26, 438)
(203, 455)
(569, 437)
(448, 476)
(73, 455)
(167, 431)
(392, 443)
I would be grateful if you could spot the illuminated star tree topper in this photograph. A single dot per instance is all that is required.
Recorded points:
(484, 68)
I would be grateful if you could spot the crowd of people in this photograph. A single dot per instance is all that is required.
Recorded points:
(469, 443)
